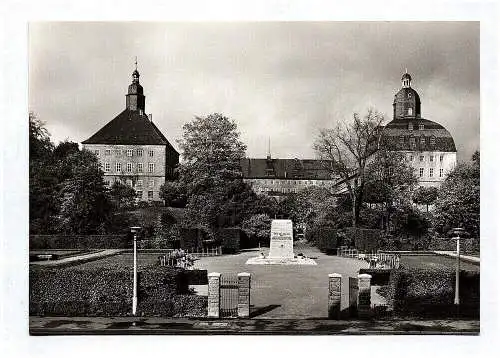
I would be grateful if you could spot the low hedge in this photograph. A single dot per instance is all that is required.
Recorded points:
(84, 242)
(429, 293)
(162, 291)
(380, 277)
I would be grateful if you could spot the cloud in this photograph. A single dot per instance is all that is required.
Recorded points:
(282, 80)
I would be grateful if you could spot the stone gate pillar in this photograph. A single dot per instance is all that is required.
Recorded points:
(244, 295)
(364, 296)
(334, 295)
(213, 294)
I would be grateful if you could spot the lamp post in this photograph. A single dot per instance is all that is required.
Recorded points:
(455, 235)
(134, 230)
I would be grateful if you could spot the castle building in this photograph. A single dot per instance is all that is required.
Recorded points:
(132, 150)
(427, 145)
(280, 177)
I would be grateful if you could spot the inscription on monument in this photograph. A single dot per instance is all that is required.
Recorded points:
(281, 246)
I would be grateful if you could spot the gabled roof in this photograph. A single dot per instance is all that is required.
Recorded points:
(254, 168)
(129, 127)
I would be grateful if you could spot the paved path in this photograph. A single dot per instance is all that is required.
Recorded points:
(131, 325)
(288, 291)
(79, 258)
(466, 258)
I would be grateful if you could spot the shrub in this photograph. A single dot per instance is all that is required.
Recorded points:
(364, 239)
(230, 238)
(429, 293)
(327, 239)
(108, 292)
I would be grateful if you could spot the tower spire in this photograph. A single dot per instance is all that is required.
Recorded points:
(136, 63)
(269, 147)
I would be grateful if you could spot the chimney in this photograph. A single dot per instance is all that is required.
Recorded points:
(150, 116)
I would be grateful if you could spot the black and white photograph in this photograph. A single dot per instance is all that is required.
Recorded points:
(255, 178)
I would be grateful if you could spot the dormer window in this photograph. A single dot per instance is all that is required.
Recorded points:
(410, 126)
(421, 127)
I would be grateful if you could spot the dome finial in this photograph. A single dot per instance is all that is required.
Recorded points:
(136, 63)
(135, 74)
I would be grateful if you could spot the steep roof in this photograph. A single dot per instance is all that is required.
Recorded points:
(255, 168)
(129, 127)
(396, 136)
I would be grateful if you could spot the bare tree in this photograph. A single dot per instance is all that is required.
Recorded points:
(345, 151)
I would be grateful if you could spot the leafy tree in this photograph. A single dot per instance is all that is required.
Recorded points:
(210, 170)
(258, 226)
(174, 193)
(85, 202)
(457, 203)
(122, 196)
(346, 149)
(425, 196)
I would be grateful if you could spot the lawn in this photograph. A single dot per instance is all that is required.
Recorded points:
(436, 262)
(121, 261)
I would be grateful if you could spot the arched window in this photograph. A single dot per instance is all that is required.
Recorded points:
(410, 111)
(433, 140)
(422, 140)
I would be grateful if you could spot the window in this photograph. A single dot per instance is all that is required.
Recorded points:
(151, 167)
(421, 127)
(150, 195)
(431, 158)
(410, 126)
(139, 194)
(433, 140)
(412, 141)
(107, 152)
(118, 152)
(401, 140)
(441, 158)
(151, 183)
(139, 182)
(421, 158)
(421, 172)
(107, 167)
(422, 140)
(107, 182)
(129, 182)
(140, 167)
(129, 167)
(151, 153)
(118, 167)
(96, 152)
(129, 152)
(139, 152)
(410, 111)
(441, 172)
(431, 172)
(411, 158)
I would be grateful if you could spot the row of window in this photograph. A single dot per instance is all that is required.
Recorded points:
(288, 181)
(138, 184)
(431, 172)
(432, 140)
(421, 126)
(422, 158)
(281, 190)
(129, 167)
(128, 152)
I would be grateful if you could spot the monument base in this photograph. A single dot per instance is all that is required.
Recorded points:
(280, 261)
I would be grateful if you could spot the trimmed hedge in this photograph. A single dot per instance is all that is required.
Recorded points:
(327, 239)
(162, 291)
(230, 238)
(380, 277)
(84, 242)
(427, 293)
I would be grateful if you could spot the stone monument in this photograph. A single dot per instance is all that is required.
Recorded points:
(281, 247)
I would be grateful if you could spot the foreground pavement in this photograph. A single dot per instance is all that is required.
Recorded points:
(158, 326)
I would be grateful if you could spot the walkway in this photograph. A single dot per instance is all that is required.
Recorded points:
(132, 325)
(288, 291)
(78, 259)
(466, 258)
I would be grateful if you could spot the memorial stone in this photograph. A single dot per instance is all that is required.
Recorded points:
(281, 246)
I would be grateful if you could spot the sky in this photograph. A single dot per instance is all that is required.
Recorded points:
(279, 81)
